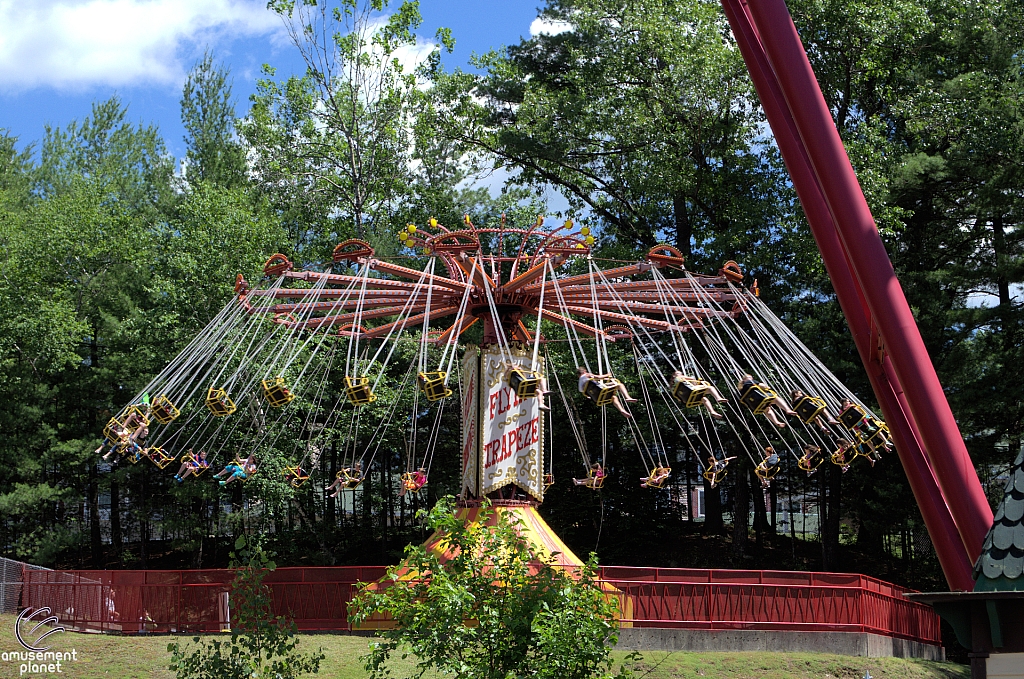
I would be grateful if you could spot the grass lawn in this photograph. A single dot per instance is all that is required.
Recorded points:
(146, 657)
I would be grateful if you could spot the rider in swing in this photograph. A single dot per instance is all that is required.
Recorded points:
(588, 377)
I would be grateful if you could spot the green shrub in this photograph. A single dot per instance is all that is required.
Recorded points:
(261, 646)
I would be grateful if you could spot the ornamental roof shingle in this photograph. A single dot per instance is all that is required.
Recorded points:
(1002, 555)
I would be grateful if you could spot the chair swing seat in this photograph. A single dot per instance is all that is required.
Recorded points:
(601, 392)
(549, 480)
(277, 393)
(136, 415)
(596, 482)
(432, 384)
(766, 473)
(358, 391)
(809, 464)
(411, 484)
(658, 477)
(713, 477)
(159, 457)
(875, 434)
(115, 431)
(164, 411)
(136, 456)
(757, 398)
(690, 393)
(219, 403)
(524, 383)
(295, 476)
(851, 416)
(809, 408)
(193, 461)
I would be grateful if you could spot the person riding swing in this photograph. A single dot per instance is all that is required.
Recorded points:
(595, 477)
(811, 410)
(604, 389)
(239, 469)
(656, 477)
(811, 459)
(762, 400)
(715, 471)
(696, 389)
(192, 464)
(347, 478)
(768, 467)
(413, 482)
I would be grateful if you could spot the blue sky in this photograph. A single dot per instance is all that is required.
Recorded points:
(59, 56)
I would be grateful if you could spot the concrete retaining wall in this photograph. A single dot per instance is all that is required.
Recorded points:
(843, 643)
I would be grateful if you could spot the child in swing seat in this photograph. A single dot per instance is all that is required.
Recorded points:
(588, 377)
(239, 469)
(413, 482)
(191, 464)
(679, 378)
(747, 381)
(348, 477)
(596, 473)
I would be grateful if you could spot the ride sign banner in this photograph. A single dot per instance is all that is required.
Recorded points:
(511, 428)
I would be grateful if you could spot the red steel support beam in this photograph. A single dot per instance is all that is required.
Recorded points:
(953, 557)
(929, 409)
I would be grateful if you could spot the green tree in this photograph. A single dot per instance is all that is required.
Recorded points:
(496, 608)
(334, 144)
(262, 646)
(637, 112)
(208, 113)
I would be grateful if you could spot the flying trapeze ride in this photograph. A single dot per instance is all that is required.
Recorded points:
(308, 352)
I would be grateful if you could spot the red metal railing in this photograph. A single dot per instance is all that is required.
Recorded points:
(317, 599)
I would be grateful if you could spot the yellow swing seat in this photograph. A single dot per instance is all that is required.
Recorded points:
(875, 433)
(713, 477)
(136, 456)
(757, 398)
(549, 480)
(809, 408)
(809, 464)
(164, 411)
(135, 414)
(690, 393)
(839, 457)
(851, 416)
(115, 431)
(358, 391)
(295, 476)
(410, 484)
(277, 393)
(596, 481)
(601, 392)
(767, 473)
(219, 403)
(653, 481)
(524, 383)
(197, 468)
(159, 457)
(432, 385)
(351, 482)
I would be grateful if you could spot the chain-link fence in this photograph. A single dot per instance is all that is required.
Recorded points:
(11, 583)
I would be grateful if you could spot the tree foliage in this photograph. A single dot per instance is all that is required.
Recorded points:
(496, 608)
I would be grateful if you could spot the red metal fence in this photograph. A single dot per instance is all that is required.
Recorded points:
(317, 599)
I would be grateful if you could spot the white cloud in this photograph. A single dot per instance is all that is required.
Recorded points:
(72, 44)
(545, 27)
